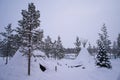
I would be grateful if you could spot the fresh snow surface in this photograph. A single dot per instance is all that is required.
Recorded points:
(16, 69)
(84, 57)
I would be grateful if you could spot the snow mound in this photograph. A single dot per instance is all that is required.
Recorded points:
(84, 57)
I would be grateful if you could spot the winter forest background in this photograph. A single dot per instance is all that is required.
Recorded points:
(53, 35)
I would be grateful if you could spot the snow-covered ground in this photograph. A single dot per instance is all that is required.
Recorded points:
(16, 69)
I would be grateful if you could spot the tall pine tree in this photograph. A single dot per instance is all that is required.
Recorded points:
(8, 47)
(77, 44)
(30, 21)
(58, 49)
(103, 43)
(104, 38)
(48, 46)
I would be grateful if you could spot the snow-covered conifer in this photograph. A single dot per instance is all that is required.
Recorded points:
(29, 22)
(47, 46)
(103, 43)
(59, 50)
(77, 44)
(102, 58)
(8, 47)
(104, 38)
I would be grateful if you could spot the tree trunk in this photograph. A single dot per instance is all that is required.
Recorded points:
(6, 59)
(29, 60)
(29, 53)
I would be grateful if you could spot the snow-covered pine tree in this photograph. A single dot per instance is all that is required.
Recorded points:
(102, 58)
(59, 50)
(54, 50)
(118, 44)
(47, 46)
(104, 38)
(103, 43)
(8, 47)
(29, 22)
(77, 44)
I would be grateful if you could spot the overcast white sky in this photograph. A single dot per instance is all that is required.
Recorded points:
(67, 18)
